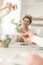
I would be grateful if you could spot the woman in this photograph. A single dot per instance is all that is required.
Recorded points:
(27, 20)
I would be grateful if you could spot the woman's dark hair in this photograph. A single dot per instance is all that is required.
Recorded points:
(29, 17)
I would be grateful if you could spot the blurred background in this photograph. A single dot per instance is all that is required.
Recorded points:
(29, 7)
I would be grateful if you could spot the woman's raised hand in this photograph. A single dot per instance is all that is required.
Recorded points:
(8, 5)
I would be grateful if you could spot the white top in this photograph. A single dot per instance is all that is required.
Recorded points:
(37, 40)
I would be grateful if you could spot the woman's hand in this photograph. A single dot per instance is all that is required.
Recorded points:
(8, 5)
(11, 6)
(27, 36)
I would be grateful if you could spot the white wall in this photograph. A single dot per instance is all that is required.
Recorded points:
(33, 8)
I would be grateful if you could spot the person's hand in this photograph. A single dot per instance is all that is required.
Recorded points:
(9, 5)
(27, 36)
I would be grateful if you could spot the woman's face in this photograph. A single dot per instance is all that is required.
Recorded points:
(26, 22)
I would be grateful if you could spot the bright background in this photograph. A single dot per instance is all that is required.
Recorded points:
(8, 27)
